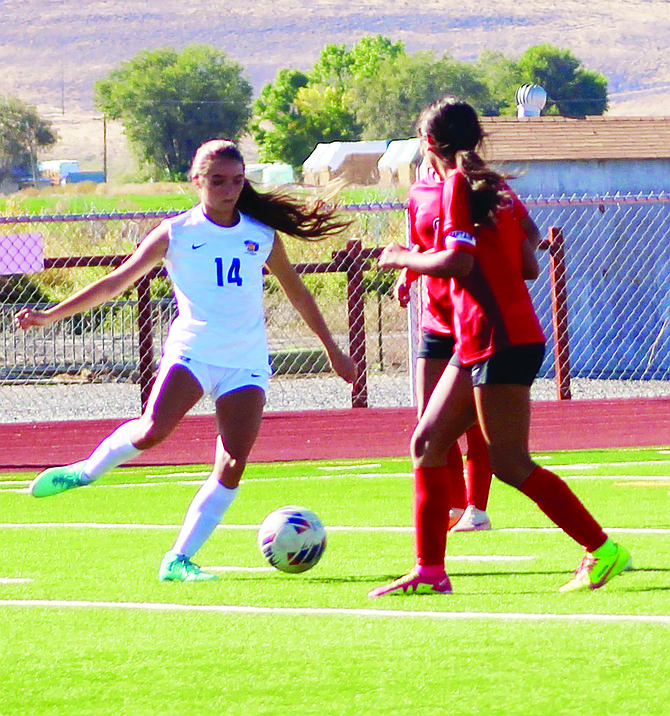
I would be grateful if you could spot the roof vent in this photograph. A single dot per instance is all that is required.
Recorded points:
(530, 100)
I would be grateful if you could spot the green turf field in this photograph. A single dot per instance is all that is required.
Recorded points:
(86, 628)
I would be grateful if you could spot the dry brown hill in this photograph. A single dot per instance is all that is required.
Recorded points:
(52, 51)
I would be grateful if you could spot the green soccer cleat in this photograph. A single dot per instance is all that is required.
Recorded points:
(595, 571)
(58, 479)
(179, 568)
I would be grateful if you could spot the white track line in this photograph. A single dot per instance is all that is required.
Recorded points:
(14, 580)
(307, 611)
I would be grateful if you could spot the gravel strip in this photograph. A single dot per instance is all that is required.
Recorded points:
(87, 401)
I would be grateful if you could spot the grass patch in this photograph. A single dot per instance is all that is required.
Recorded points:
(467, 653)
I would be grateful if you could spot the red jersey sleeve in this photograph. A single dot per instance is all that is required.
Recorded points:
(457, 230)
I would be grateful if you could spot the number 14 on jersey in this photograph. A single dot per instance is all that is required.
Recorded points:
(233, 274)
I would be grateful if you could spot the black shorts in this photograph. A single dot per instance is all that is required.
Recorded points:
(518, 365)
(436, 345)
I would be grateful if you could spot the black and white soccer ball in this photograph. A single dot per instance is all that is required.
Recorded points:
(292, 539)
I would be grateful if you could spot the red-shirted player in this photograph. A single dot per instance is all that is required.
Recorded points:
(499, 351)
(468, 499)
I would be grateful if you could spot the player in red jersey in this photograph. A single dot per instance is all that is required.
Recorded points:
(468, 499)
(499, 351)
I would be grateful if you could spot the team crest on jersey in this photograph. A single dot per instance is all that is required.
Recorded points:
(252, 247)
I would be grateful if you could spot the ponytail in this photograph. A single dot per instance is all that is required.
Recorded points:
(311, 221)
(487, 187)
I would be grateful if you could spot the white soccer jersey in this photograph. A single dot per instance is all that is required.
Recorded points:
(217, 274)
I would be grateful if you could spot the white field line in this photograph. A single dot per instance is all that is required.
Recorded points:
(114, 486)
(233, 568)
(369, 475)
(359, 613)
(640, 478)
(329, 528)
(450, 558)
(596, 465)
(254, 570)
(349, 467)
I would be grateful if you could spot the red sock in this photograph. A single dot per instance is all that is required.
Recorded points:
(563, 507)
(431, 514)
(477, 469)
(457, 496)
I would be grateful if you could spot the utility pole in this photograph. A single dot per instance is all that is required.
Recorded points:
(62, 87)
(104, 146)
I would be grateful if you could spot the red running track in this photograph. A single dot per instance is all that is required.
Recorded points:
(336, 434)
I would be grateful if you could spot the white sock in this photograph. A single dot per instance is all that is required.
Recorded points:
(115, 449)
(204, 514)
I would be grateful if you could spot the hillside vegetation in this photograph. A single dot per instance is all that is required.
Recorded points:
(54, 61)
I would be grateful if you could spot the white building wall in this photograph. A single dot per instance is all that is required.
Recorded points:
(595, 177)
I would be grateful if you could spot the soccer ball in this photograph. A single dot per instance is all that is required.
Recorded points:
(292, 539)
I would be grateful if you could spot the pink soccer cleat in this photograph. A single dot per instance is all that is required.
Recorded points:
(415, 583)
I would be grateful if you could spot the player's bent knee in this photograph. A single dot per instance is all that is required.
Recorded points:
(510, 467)
(418, 446)
(230, 471)
(151, 436)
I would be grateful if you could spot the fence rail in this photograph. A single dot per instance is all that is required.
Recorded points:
(603, 301)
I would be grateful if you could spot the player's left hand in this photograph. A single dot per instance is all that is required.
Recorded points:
(343, 365)
(392, 256)
(401, 292)
(28, 317)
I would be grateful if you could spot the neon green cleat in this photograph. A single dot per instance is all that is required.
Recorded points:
(179, 568)
(595, 571)
(58, 479)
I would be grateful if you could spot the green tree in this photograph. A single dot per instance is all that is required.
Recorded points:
(277, 126)
(22, 134)
(170, 102)
(502, 76)
(572, 91)
(297, 111)
(388, 104)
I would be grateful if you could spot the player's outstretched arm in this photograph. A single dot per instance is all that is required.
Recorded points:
(444, 263)
(149, 253)
(303, 301)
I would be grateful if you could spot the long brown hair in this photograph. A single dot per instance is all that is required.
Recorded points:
(456, 135)
(278, 209)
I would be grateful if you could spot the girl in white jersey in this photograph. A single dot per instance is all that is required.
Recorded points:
(214, 255)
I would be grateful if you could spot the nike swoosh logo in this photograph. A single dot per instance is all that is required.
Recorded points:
(197, 246)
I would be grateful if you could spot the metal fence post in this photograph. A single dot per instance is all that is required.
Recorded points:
(559, 310)
(145, 337)
(356, 309)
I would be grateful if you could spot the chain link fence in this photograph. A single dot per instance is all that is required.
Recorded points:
(602, 298)
(609, 263)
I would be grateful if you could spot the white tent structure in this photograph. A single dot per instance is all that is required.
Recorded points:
(269, 173)
(355, 162)
(398, 164)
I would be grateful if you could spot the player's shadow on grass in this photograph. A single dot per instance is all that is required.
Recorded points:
(374, 579)
(520, 573)
(350, 579)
